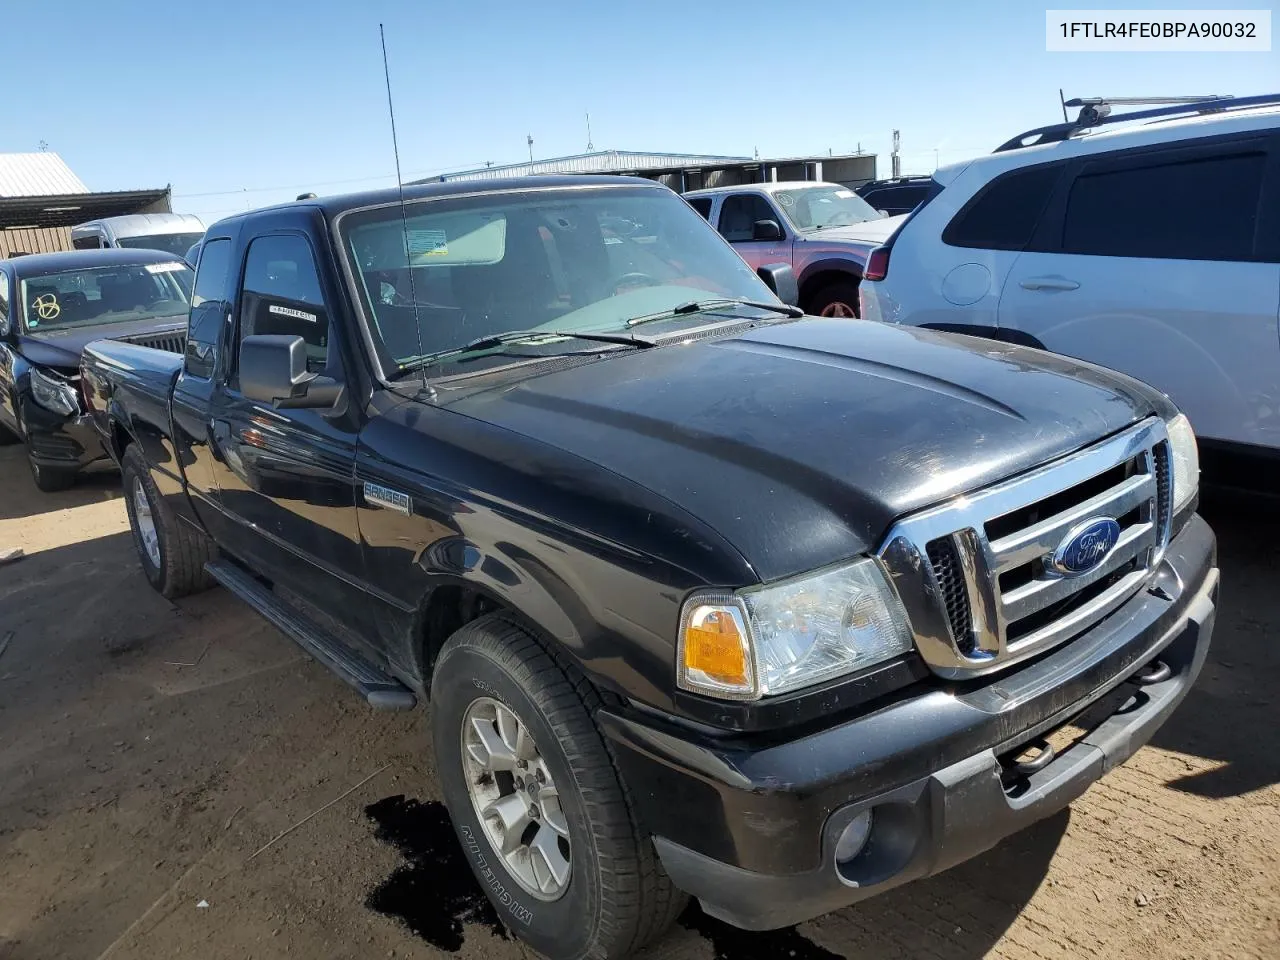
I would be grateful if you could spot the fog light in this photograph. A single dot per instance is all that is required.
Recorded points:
(854, 837)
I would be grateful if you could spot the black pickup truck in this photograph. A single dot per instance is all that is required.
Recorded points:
(706, 597)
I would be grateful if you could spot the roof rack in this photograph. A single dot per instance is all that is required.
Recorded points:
(1096, 112)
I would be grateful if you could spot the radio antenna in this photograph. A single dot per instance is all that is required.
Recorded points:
(404, 216)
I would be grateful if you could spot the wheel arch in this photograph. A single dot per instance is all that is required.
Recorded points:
(823, 273)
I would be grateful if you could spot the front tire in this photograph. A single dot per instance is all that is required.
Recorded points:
(575, 878)
(173, 553)
(838, 299)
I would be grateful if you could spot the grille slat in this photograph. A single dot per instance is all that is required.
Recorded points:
(169, 342)
(1040, 593)
(989, 554)
(1043, 537)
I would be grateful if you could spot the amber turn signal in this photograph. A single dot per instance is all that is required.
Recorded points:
(715, 651)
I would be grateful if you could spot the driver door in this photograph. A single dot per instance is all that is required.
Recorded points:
(736, 223)
(286, 478)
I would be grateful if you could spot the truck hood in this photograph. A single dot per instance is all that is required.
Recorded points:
(62, 348)
(801, 443)
(874, 232)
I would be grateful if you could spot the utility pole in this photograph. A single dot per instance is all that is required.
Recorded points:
(895, 159)
(530, 138)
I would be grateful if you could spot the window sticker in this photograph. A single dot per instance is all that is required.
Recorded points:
(428, 243)
(844, 194)
(46, 307)
(165, 267)
(290, 312)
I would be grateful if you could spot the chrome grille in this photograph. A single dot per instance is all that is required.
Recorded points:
(975, 574)
(175, 342)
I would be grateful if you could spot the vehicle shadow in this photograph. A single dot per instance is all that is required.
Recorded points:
(20, 498)
(959, 914)
(1226, 714)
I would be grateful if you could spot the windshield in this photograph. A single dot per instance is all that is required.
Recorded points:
(97, 295)
(175, 243)
(812, 208)
(584, 260)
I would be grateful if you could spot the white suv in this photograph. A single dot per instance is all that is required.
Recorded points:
(1152, 247)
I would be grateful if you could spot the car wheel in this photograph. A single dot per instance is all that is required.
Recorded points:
(835, 300)
(173, 553)
(49, 479)
(537, 804)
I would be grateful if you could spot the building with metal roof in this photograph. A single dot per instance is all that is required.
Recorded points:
(41, 199)
(685, 171)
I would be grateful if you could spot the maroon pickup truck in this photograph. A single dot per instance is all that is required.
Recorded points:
(823, 230)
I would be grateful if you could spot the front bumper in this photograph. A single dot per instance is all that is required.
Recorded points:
(750, 829)
(62, 443)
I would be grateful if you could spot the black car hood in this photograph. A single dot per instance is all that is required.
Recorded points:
(62, 348)
(801, 442)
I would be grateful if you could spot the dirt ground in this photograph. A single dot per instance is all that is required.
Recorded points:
(150, 753)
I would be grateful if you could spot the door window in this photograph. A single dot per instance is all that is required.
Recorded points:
(280, 294)
(86, 243)
(702, 205)
(208, 307)
(1201, 209)
(739, 213)
(4, 305)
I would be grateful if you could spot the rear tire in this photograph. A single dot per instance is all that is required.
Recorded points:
(616, 897)
(173, 553)
(839, 299)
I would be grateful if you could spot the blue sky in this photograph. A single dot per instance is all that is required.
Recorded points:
(247, 103)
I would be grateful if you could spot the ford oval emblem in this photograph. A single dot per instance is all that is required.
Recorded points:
(1085, 546)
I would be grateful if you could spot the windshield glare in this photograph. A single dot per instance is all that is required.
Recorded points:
(175, 243)
(813, 208)
(97, 295)
(565, 260)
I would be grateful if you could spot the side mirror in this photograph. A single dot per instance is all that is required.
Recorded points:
(883, 213)
(273, 369)
(766, 230)
(782, 281)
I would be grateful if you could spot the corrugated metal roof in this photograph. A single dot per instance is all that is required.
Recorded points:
(37, 175)
(602, 161)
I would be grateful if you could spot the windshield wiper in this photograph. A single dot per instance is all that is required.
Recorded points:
(515, 336)
(701, 306)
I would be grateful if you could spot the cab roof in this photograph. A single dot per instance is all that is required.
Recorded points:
(333, 206)
(42, 264)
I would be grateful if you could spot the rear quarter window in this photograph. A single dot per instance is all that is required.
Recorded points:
(1003, 214)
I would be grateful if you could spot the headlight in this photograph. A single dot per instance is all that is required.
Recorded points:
(774, 639)
(55, 395)
(1186, 461)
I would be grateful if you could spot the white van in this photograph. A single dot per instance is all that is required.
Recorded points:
(173, 233)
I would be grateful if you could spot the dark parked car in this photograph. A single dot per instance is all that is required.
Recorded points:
(897, 195)
(707, 597)
(51, 305)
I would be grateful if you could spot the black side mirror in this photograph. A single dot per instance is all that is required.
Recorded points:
(782, 281)
(766, 230)
(273, 369)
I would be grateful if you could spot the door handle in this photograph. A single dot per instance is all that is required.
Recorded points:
(1048, 283)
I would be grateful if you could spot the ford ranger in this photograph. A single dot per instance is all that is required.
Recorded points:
(706, 597)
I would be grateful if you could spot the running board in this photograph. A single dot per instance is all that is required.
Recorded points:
(379, 689)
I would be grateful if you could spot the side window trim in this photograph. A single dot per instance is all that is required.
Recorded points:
(201, 356)
(1049, 236)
